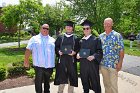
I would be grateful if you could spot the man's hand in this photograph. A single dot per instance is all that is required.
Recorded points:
(119, 66)
(26, 59)
(90, 58)
(78, 57)
(26, 64)
(72, 53)
(60, 53)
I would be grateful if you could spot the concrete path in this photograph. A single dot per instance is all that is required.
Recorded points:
(131, 64)
(13, 44)
(128, 83)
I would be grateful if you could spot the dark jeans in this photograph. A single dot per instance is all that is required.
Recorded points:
(42, 74)
(86, 90)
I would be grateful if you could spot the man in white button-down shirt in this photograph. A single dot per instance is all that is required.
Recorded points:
(42, 48)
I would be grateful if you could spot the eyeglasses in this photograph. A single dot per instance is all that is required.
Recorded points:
(45, 28)
(86, 28)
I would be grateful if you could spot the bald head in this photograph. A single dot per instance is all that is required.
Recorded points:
(44, 29)
(109, 21)
(45, 25)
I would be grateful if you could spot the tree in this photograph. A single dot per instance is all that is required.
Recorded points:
(22, 15)
(97, 11)
(56, 15)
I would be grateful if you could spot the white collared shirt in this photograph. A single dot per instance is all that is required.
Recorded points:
(86, 37)
(43, 50)
(68, 35)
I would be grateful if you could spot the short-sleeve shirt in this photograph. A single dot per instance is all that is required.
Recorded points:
(112, 44)
(43, 51)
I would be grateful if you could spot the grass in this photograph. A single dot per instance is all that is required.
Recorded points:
(12, 54)
(135, 50)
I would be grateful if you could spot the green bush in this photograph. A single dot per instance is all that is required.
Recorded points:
(15, 71)
(17, 64)
(52, 76)
(78, 68)
(2, 73)
(22, 63)
(31, 73)
(79, 31)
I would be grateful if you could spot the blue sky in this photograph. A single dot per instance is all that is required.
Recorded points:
(51, 2)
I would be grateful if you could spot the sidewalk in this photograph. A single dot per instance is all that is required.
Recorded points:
(128, 83)
(13, 44)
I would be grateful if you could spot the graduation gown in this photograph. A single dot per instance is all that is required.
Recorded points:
(89, 70)
(66, 66)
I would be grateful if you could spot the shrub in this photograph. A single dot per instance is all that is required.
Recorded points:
(79, 31)
(31, 73)
(2, 73)
(78, 68)
(15, 71)
(17, 64)
(53, 75)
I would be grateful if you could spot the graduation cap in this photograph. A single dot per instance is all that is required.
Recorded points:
(87, 23)
(69, 23)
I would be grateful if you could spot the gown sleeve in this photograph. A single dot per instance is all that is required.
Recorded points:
(99, 53)
(58, 45)
(77, 45)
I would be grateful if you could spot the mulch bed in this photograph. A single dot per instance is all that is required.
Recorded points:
(16, 82)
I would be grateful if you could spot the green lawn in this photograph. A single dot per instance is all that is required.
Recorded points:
(10, 55)
(135, 50)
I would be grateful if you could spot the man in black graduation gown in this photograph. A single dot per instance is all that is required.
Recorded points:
(66, 67)
(89, 64)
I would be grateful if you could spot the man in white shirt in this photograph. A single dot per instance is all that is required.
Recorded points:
(42, 48)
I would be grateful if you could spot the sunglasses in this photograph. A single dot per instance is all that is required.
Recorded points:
(86, 28)
(46, 28)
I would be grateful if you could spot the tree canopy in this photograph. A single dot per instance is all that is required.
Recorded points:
(31, 13)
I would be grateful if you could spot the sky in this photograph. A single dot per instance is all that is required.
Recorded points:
(3, 2)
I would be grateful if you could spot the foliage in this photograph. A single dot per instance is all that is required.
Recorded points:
(2, 73)
(79, 31)
(96, 11)
(135, 50)
(31, 73)
(22, 15)
(32, 14)
(17, 64)
(56, 15)
(10, 15)
(78, 68)
(124, 13)
(53, 75)
(15, 71)
(13, 37)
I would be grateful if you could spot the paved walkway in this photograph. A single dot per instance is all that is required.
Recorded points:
(12, 44)
(128, 83)
(131, 64)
